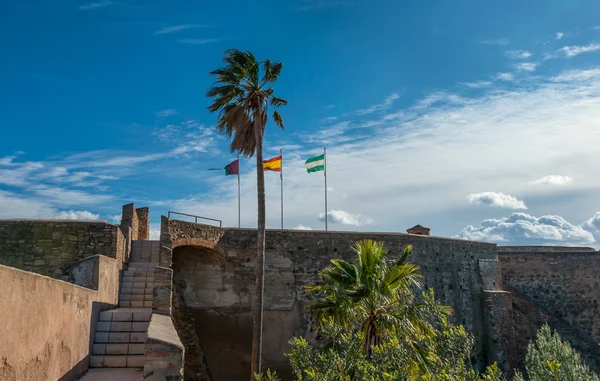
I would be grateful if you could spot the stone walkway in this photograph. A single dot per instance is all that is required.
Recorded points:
(114, 374)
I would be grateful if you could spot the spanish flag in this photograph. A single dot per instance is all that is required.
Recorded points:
(273, 164)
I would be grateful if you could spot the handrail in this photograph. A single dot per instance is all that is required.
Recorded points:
(196, 217)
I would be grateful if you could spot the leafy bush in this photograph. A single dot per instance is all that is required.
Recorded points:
(549, 358)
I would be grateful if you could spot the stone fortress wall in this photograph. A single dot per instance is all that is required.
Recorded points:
(205, 284)
(213, 274)
(557, 285)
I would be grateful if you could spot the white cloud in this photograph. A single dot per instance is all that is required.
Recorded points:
(115, 219)
(198, 41)
(572, 51)
(593, 226)
(497, 42)
(524, 229)
(559, 35)
(476, 84)
(96, 5)
(526, 66)
(68, 197)
(505, 76)
(345, 218)
(518, 54)
(496, 200)
(434, 154)
(15, 206)
(76, 215)
(177, 28)
(597, 27)
(387, 102)
(302, 227)
(167, 112)
(552, 180)
(18, 175)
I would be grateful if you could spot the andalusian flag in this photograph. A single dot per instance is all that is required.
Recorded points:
(315, 164)
(273, 164)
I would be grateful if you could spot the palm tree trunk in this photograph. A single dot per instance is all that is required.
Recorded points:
(260, 253)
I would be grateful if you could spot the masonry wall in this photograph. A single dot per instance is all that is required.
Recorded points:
(217, 284)
(41, 246)
(561, 288)
(45, 326)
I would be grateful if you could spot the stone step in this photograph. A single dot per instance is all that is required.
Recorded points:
(136, 272)
(130, 297)
(118, 349)
(135, 303)
(113, 374)
(126, 314)
(120, 337)
(142, 265)
(116, 361)
(138, 283)
(137, 290)
(122, 326)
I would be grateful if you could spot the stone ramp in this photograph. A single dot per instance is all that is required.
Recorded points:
(122, 374)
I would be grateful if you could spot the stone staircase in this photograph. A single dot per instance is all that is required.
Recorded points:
(121, 332)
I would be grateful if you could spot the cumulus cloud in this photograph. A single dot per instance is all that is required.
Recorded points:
(526, 66)
(302, 227)
(505, 76)
(345, 218)
(572, 51)
(76, 215)
(593, 226)
(524, 229)
(552, 180)
(518, 54)
(496, 200)
(559, 35)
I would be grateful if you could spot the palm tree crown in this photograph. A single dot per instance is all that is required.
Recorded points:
(373, 295)
(242, 98)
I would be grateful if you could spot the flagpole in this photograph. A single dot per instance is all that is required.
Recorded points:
(239, 203)
(281, 178)
(325, 165)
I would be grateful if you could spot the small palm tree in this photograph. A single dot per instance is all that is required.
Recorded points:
(242, 97)
(375, 296)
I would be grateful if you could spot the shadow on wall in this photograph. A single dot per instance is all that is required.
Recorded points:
(217, 340)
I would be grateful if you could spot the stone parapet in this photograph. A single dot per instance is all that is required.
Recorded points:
(163, 351)
(41, 246)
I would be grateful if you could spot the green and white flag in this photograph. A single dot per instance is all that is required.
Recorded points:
(315, 164)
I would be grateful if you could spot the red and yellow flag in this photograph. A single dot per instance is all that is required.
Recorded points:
(273, 164)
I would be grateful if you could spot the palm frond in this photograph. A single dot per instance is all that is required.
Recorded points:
(271, 71)
(277, 102)
(277, 118)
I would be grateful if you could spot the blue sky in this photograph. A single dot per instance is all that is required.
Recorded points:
(478, 119)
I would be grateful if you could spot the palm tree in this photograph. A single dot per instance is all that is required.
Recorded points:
(376, 297)
(242, 99)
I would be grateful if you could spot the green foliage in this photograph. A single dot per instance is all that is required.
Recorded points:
(549, 358)
(447, 353)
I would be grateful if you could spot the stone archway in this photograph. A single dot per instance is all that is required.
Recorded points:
(211, 312)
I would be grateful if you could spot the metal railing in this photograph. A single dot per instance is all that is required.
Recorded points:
(196, 217)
